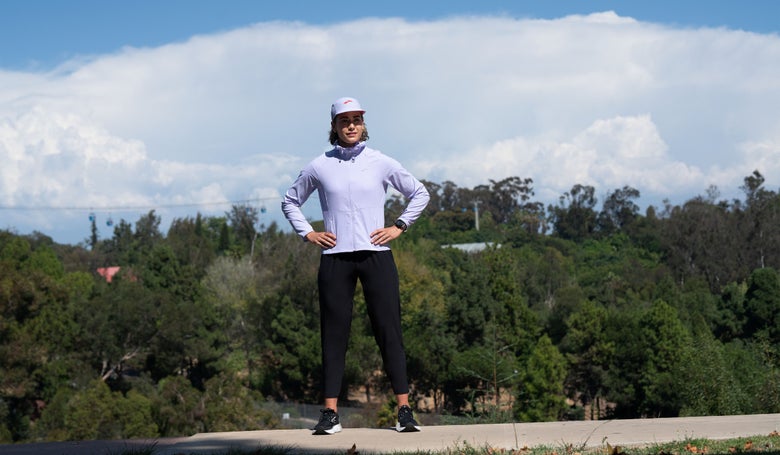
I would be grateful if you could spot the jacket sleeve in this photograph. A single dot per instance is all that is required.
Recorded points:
(295, 197)
(413, 190)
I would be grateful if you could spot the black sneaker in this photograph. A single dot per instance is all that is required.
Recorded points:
(329, 422)
(406, 422)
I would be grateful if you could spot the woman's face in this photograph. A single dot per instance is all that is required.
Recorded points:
(349, 127)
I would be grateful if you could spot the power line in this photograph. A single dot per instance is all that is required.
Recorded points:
(126, 208)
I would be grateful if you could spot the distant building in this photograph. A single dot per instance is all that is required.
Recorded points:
(472, 247)
(109, 272)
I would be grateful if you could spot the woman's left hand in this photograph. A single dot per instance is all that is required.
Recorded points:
(385, 235)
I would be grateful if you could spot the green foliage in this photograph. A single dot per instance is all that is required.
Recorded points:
(485, 370)
(589, 352)
(730, 316)
(575, 216)
(364, 362)
(430, 354)
(710, 383)
(5, 434)
(178, 407)
(514, 323)
(230, 406)
(664, 339)
(193, 243)
(292, 352)
(98, 413)
(14, 249)
(543, 269)
(43, 260)
(429, 345)
(762, 305)
(51, 425)
(541, 396)
(230, 291)
(469, 302)
(676, 312)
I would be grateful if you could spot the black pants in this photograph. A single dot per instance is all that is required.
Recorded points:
(337, 279)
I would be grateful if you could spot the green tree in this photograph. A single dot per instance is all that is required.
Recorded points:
(293, 353)
(471, 304)
(589, 353)
(34, 308)
(481, 372)
(147, 233)
(364, 362)
(619, 211)
(192, 243)
(664, 339)
(94, 236)
(230, 406)
(542, 271)
(703, 238)
(178, 407)
(430, 346)
(430, 350)
(731, 317)
(230, 287)
(761, 223)
(5, 434)
(243, 219)
(708, 380)
(518, 325)
(762, 305)
(541, 391)
(286, 322)
(98, 413)
(43, 260)
(188, 329)
(623, 387)
(120, 249)
(575, 218)
(117, 328)
(504, 197)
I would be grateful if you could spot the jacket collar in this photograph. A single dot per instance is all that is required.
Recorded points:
(348, 153)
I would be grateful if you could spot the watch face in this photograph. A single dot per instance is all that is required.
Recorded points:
(400, 225)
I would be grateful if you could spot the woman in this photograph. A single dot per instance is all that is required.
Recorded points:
(352, 182)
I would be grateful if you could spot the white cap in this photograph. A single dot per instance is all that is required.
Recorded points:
(346, 104)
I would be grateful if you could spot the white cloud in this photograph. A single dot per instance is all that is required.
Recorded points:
(609, 154)
(763, 156)
(600, 100)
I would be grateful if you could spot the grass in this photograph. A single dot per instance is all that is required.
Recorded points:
(758, 445)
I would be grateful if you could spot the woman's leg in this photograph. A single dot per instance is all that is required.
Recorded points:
(379, 277)
(336, 280)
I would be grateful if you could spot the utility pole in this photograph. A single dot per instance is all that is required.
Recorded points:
(257, 231)
(476, 213)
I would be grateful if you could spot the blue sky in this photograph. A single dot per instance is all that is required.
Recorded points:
(47, 32)
(120, 107)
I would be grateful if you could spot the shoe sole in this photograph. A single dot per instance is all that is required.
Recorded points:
(406, 429)
(334, 430)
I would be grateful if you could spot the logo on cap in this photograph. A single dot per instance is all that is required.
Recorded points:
(345, 104)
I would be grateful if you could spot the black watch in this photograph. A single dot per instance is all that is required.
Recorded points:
(401, 225)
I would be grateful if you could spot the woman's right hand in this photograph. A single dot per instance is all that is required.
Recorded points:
(324, 240)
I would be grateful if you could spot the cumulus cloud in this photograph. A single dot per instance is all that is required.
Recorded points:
(608, 154)
(600, 99)
(58, 165)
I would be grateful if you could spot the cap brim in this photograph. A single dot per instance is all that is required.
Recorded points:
(347, 112)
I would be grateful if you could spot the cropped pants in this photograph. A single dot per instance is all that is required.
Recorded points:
(337, 279)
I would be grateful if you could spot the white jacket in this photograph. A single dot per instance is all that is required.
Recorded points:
(352, 185)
